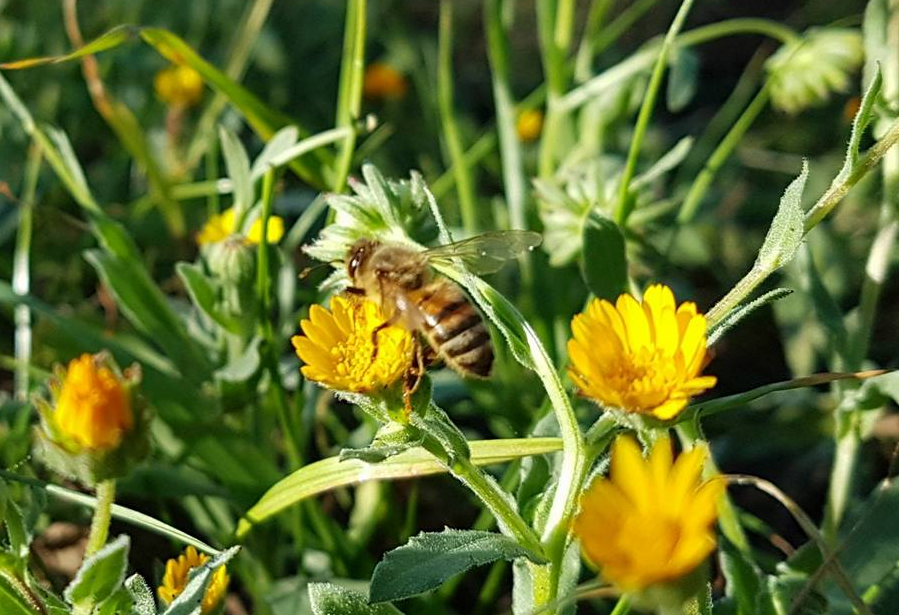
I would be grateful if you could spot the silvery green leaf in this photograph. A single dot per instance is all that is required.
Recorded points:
(280, 142)
(330, 599)
(238, 164)
(682, 78)
(142, 596)
(667, 162)
(101, 574)
(787, 230)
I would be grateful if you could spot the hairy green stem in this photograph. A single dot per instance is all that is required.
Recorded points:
(624, 206)
(822, 207)
(102, 517)
(461, 172)
(349, 96)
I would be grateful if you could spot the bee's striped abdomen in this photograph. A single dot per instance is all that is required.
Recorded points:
(454, 329)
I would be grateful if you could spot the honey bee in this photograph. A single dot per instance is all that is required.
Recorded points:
(401, 281)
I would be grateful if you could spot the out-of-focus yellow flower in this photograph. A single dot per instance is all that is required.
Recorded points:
(529, 125)
(179, 86)
(223, 225)
(176, 576)
(93, 409)
(652, 520)
(640, 357)
(382, 82)
(338, 350)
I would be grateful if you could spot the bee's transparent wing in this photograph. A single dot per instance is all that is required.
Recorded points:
(487, 252)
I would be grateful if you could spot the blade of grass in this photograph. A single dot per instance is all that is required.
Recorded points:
(21, 275)
(451, 136)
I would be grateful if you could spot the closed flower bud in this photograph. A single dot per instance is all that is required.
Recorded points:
(233, 259)
(95, 425)
(529, 125)
(805, 72)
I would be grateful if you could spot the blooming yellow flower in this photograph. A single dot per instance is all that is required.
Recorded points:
(223, 225)
(176, 576)
(529, 124)
(93, 408)
(652, 520)
(382, 81)
(179, 86)
(640, 357)
(338, 350)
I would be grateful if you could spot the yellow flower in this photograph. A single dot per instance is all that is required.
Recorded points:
(223, 225)
(652, 520)
(382, 81)
(179, 86)
(176, 576)
(640, 357)
(93, 408)
(338, 350)
(529, 124)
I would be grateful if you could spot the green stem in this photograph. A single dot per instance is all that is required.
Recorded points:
(96, 540)
(349, 96)
(586, 50)
(621, 24)
(462, 171)
(622, 607)
(21, 276)
(551, 23)
(824, 205)
(498, 502)
(701, 184)
(624, 205)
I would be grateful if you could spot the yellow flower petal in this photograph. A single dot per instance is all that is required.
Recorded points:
(177, 573)
(640, 356)
(634, 546)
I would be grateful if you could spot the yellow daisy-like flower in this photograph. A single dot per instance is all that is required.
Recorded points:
(382, 81)
(179, 86)
(93, 408)
(176, 576)
(640, 357)
(652, 520)
(223, 225)
(338, 350)
(529, 125)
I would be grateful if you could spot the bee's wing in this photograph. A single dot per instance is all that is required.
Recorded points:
(487, 252)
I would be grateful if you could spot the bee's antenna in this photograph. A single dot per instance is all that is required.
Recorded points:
(305, 272)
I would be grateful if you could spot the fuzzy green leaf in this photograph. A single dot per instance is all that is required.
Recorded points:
(238, 165)
(603, 260)
(786, 232)
(12, 603)
(19, 539)
(141, 595)
(101, 574)
(330, 599)
(430, 558)
(203, 294)
(188, 601)
(280, 142)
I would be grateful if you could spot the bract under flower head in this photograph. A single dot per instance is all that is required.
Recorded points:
(652, 520)
(223, 225)
(176, 576)
(641, 357)
(93, 409)
(339, 352)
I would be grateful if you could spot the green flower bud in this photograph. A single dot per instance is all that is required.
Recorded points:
(805, 72)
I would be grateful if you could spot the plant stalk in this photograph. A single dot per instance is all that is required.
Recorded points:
(99, 531)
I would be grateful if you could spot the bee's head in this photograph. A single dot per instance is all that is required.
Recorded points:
(357, 255)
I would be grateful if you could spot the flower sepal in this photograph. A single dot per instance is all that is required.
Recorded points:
(673, 598)
(95, 426)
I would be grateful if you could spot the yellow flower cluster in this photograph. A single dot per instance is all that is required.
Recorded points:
(93, 409)
(176, 576)
(652, 520)
(223, 225)
(529, 125)
(641, 357)
(339, 351)
(383, 82)
(179, 86)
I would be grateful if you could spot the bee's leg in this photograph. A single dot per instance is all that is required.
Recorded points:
(413, 377)
(374, 334)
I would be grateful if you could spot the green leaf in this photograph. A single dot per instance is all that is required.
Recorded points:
(438, 425)
(330, 599)
(871, 549)
(141, 595)
(603, 260)
(280, 142)
(113, 38)
(19, 539)
(13, 603)
(238, 165)
(203, 295)
(743, 580)
(188, 601)
(100, 575)
(682, 79)
(786, 232)
(4, 499)
(430, 558)
(148, 310)
(331, 473)
(736, 316)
